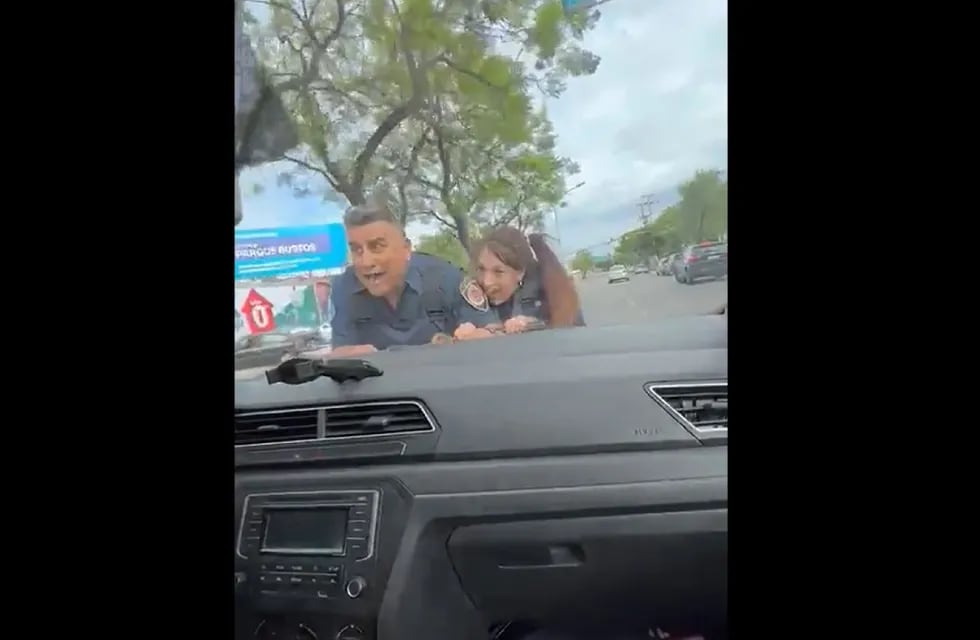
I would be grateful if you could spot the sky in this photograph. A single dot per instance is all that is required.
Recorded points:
(655, 111)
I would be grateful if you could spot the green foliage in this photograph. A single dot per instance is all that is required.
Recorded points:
(414, 98)
(638, 246)
(703, 209)
(603, 262)
(444, 245)
(701, 214)
(583, 261)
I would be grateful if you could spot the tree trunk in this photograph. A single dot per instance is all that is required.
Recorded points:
(463, 231)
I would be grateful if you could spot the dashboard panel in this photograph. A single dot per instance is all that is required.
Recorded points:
(542, 489)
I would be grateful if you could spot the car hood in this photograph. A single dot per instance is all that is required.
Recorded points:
(406, 367)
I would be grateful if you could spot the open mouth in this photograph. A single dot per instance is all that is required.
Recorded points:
(372, 278)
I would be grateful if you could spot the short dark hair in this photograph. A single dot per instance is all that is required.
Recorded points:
(369, 212)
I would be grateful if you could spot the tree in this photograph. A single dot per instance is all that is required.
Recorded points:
(402, 96)
(703, 209)
(638, 245)
(701, 213)
(603, 262)
(583, 261)
(666, 228)
(444, 245)
(484, 183)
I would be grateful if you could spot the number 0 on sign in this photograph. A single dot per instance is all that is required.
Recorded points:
(261, 317)
(257, 312)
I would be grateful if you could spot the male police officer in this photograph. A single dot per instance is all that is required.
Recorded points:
(392, 296)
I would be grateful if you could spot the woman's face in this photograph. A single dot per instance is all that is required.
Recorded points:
(498, 280)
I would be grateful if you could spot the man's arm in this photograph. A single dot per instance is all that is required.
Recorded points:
(342, 329)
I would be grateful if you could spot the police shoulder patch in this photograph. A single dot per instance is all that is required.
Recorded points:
(473, 294)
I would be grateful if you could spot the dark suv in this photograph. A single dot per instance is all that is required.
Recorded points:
(705, 260)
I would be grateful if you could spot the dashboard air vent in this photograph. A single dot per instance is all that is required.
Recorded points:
(702, 407)
(269, 427)
(377, 418)
(363, 420)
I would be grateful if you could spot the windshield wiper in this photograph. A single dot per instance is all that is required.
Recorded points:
(303, 370)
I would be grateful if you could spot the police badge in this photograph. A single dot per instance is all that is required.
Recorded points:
(473, 294)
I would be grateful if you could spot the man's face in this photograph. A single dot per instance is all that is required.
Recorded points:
(380, 253)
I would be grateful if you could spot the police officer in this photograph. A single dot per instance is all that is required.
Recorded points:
(392, 296)
(525, 283)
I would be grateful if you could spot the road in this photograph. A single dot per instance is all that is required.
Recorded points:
(645, 298)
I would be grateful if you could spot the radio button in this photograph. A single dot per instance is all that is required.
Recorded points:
(279, 566)
(357, 528)
(324, 568)
(329, 590)
(298, 568)
(355, 587)
(357, 549)
(360, 512)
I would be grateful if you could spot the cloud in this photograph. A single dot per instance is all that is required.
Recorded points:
(655, 111)
(274, 205)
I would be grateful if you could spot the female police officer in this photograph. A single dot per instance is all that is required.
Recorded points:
(524, 282)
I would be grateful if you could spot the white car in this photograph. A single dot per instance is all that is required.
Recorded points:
(618, 273)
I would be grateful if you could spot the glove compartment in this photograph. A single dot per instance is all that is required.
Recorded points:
(660, 565)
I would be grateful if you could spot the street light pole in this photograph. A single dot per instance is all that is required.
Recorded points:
(554, 212)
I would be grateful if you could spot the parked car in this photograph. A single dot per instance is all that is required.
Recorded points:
(618, 273)
(677, 265)
(269, 349)
(641, 268)
(704, 260)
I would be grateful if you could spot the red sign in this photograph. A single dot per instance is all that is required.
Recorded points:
(257, 313)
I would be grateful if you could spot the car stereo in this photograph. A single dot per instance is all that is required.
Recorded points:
(309, 545)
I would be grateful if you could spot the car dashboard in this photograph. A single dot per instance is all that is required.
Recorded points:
(568, 475)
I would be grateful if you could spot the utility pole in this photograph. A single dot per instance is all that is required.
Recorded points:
(646, 207)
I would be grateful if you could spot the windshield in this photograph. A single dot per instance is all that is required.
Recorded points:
(596, 130)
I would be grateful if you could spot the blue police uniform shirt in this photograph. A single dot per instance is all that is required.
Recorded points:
(430, 303)
(529, 300)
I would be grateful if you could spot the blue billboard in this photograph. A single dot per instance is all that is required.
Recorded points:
(266, 253)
